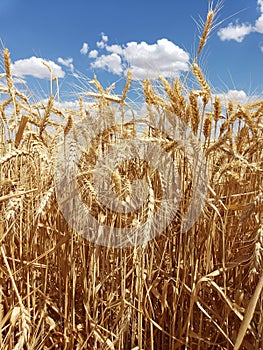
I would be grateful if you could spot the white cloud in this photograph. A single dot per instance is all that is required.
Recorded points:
(259, 24)
(259, 21)
(100, 44)
(111, 63)
(238, 96)
(238, 32)
(150, 60)
(114, 48)
(35, 67)
(235, 32)
(85, 48)
(93, 54)
(145, 60)
(70, 105)
(104, 37)
(260, 4)
(68, 62)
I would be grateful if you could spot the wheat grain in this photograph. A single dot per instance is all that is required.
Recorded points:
(205, 87)
(126, 86)
(68, 126)
(9, 78)
(20, 130)
(46, 115)
(177, 100)
(117, 183)
(206, 31)
(44, 201)
(216, 145)
(195, 113)
(217, 109)
(207, 127)
(230, 108)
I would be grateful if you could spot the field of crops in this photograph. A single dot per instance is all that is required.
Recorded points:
(194, 288)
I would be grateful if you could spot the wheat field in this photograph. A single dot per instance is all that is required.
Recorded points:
(199, 289)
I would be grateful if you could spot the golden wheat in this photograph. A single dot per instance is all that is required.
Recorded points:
(199, 289)
(206, 30)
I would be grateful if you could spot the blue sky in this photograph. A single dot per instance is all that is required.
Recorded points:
(150, 37)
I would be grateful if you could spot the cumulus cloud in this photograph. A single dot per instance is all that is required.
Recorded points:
(85, 48)
(112, 63)
(259, 24)
(238, 31)
(36, 67)
(104, 37)
(163, 57)
(70, 105)
(238, 96)
(144, 60)
(93, 54)
(100, 44)
(68, 62)
(260, 4)
(114, 48)
(235, 32)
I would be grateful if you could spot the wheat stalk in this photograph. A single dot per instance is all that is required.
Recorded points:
(206, 31)
(46, 115)
(205, 87)
(68, 126)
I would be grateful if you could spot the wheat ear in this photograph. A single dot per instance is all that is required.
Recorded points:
(46, 116)
(206, 30)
